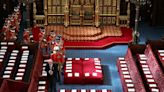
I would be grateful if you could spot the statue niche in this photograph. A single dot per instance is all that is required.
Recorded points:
(39, 7)
(75, 14)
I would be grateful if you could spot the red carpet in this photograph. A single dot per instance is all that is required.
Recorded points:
(124, 39)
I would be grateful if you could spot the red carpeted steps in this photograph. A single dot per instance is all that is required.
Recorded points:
(112, 40)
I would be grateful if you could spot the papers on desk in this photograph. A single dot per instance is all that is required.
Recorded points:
(98, 67)
(94, 74)
(124, 69)
(128, 80)
(15, 51)
(92, 90)
(160, 51)
(69, 58)
(121, 58)
(99, 71)
(123, 65)
(22, 65)
(41, 87)
(42, 82)
(143, 62)
(146, 72)
(155, 90)
(96, 59)
(3, 50)
(126, 76)
(62, 90)
(76, 74)
(83, 90)
(69, 74)
(131, 90)
(10, 43)
(86, 74)
(122, 62)
(142, 58)
(68, 62)
(145, 69)
(23, 61)
(20, 74)
(24, 47)
(2, 56)
(161, 54)
(144, 66)
(86, 58)
(152, 85)
(10, 64)
(12, 57)
(9, 68)
(77, 58)
(21, 70)
(125, 72)
(142, 55)
(2, 53)
(6, 76)
(68, 65)
(7, 72)
(130, 85)
(3, 43)
(150, 80)
(4, 47)
(14, 54)
(74, 90)
(67, 71)
(149, 76)
(68, 68)
(1, 60)
(104, 90)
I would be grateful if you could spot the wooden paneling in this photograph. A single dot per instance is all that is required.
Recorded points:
(107, 11)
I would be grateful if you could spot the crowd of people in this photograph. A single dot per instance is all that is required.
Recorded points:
(53, 48)
(11, 26)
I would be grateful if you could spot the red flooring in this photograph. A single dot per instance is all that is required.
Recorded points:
(108, 41)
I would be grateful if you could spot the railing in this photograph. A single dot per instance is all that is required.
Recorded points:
(124, 21)
(40, 20)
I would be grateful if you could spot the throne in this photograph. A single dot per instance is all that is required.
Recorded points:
(75, 15)
(88, 18)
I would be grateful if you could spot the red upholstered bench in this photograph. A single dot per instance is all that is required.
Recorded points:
(42, 86)
(73, 71)
(152, 85)
(10, 65)
(127, 82)
(83, 71)
(154, 67)
(22, 66)
(92, 71)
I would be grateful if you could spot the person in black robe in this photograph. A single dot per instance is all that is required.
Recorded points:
(52, 73)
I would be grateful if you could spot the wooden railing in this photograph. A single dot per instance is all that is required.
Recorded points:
(124, 21)
(40, 20)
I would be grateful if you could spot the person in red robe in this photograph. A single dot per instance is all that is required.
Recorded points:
(35, 32)
(41, 34)
(26, 36)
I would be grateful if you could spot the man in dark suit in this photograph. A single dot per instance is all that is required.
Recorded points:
(52, 72)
